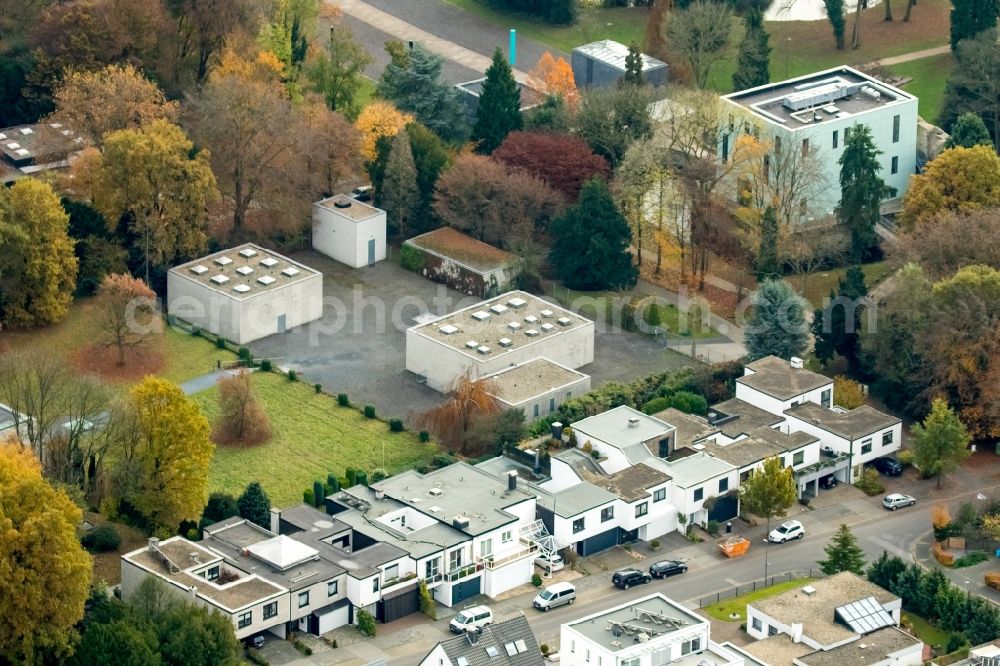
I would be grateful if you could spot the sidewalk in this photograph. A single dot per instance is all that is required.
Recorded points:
(969, 579)
(205, 382)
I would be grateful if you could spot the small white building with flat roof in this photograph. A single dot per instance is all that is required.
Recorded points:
(245, 293)
(348, 230)
(536, 387)
(487, 337)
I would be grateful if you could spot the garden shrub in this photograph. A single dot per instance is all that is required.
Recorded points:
(220, 342)
(302, 647)
(425, 436)
(869, 483)
(905, 458)
(442, 460)
(309, 497)
(712, 527)
(293, 376)
(943, 557)
(655, 543)
(545, 649)
(265, 365)
(327, 489)
(536, 580)
(411, 258)
(192, 534)
(333, 481)
(318, 492)
(318, 387)
(656, 405)
(689, 403)
(361, 478)
(396, 425)
(369, 411)
(342, 400)
(992, 579)
(101, 539)
(378, 474)
(255, 657)
(366, 623)
(427, 606)
(971, 559)
(245, 355)
(352, 478)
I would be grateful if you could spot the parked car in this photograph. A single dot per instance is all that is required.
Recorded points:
(553, 596)
(791, 529)
(471, 619)
(551, 563)
(363, 193)
(626, 578)
(828, 481)
(896, 500)
(887, 466)
(257, 642)
(667, 568)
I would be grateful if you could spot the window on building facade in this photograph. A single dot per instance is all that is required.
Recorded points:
(767, 168)
(866, 446)
(455, 559)
(631, 661)
(699, 494)
(507, 536)
(798, 458)
(805, 147)
(552, 405)
(693, 645)
(895, 129)
(756, 624)
(212, 573)
(836, 138)
(536, 410)
(725, 147)
(578, 525)
(641, 509)
(724, 485)
(331, 588)
(432, 568)
(244, 620)
(825, 398)
(894, 165)
(887, 438)
(270, 610)
(303, 599)
(375, 585)
(486, 547)
(659, 494)
(607, 513)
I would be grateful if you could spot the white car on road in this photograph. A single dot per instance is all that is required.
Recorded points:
(791, 529)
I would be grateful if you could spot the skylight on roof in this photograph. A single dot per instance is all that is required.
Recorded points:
(13, 145)
(498, 309)
(199, 270)
(480, 315)
(492, 651)
(244, 270)
(517, 303)
(471, 344)
(220, 279)
(520, 645)
(504, 342)
(22, 152)
(248, 252)
(530, 319)
(546, 313)
(26, 131)
(265, 280)
(241, 288)
(531, 332)
(270, 262)
(564, 321)
(865, 616)
(223, 261)
(510, 648)
(546, 327)
(291, 271)
(462, 661)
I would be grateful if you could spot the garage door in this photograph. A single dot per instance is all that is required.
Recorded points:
(465, 590)
(329, 618)
(598, 542)
(399, 603)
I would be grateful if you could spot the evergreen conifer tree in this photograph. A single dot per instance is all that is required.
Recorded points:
(633, 67)
(767, 251)
(843, 554)
(776, 325)
(399, 195)
(835, 14)
(968, 131)
(412, 82)
(971, 17)
(753, 61)
(255, 505)
(835, 326)
(591, 241)
(861, 190)
(499, 111)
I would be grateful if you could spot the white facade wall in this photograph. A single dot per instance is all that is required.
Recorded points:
(499, 580)
(436, 657)
(577, 650)
(318, 597)
(612, 458)
(545, 403)
(842, 445)
(592, 525)
(250, 318)
(694, 510)
(775, 406)
(442, 364)
(360, 590)
(346, 240)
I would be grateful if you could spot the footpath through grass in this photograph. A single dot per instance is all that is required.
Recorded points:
(721, 610)
(313, 436)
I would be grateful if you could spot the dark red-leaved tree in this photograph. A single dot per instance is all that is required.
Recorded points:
(562, 161)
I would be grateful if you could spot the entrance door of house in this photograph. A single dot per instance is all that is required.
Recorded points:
(371, 251)
(281, 323)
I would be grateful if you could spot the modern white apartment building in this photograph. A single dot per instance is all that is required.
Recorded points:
(816, 112)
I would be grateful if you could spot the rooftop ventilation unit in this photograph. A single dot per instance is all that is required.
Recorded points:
(819, 95)
(220, 279)
(633, 421)
(498, 309)
(871, 93)
(471, 344)
(546, 313)
(808, 590)
(547, 327)
(248, 252)
(831, 109)
(504, 342)
(241, 288)
(460, 522)
(269, 262)
(564, 321)
(26, 131)
(531, 332)
(223, 261)
(434, 509)
(414, 500)
(291, 271)
(435, 492)
(448, 329)
(480, 315)
(244, 270)
(199, 270)
(265, 280)
(513, 325)
(483, 349)
(517, 303)
(530, 319)
(3, 137)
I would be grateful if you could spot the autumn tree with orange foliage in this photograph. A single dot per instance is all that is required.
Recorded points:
(379, 119)
(242, 420)
(554, 76)
(469, 402)
(124, 303)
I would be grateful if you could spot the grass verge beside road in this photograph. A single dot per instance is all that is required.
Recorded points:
(313, 436)
(721, 610)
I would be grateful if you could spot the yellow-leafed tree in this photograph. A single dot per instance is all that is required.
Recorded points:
(960, 180)
(377, 120)
(44, 572)
(164, 453)
(554, 76)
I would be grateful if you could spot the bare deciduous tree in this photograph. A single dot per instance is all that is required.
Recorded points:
(33, 384)
(699, 35)
(468, 402)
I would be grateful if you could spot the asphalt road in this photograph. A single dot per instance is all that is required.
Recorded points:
(894, 532)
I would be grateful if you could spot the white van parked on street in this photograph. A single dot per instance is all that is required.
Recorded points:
(554, 595)
(471, 619)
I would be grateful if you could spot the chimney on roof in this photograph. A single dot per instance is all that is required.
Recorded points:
(473, 636)
(154, 543)
(796, 362)
(633, 421)
(512, 480)
(275, 520)
(797, 632)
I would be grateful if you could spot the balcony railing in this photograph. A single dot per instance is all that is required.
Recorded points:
(463, 572)
(823, 463)
(493, 562)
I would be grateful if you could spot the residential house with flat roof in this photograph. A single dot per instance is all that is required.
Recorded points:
(603, 63)
(464, 530)
(841, 619)
(536, 387)
(504, 643)
(349, 231)
(815, 113)
(486, 337)
(774, 385)
(649, 631)
(27, 150)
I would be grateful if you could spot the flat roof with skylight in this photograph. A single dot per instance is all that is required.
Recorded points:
(647, 619)
(501, 324)
(833, 94)
(244, 271)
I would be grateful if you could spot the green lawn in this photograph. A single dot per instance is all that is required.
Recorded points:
(365, 94)
(926, 631)
(818, 285)
(603, 305)
(722, 609)
(313, 436)
(930, 75)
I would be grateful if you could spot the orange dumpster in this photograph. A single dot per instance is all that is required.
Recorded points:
(734, 546)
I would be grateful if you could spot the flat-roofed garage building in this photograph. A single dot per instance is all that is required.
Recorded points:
(537, 387)
(245, 293)
(494, 334)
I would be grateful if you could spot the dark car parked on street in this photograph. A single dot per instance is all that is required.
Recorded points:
(667, 568)
(626, 578)
(887, 466)
(828, 481)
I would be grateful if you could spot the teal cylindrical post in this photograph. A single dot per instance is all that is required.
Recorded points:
(513, 47)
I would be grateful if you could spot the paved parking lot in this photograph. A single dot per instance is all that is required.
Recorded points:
(358, 347)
